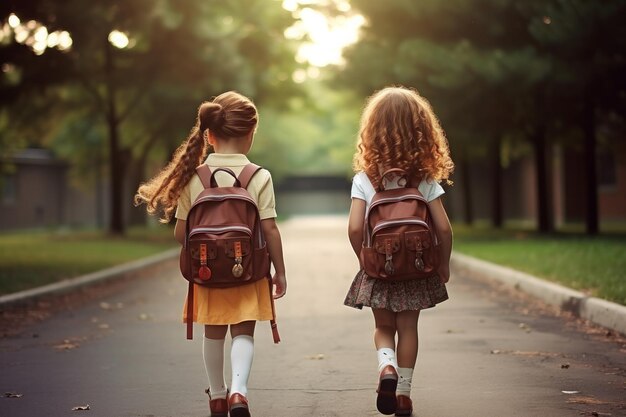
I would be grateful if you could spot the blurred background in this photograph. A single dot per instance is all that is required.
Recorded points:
(95, 96)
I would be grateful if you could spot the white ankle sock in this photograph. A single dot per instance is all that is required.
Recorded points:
(386, 356)
(213, 352)
(241, 355)
(404, 383)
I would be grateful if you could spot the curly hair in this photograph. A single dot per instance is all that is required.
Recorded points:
(400, 130)
(229, 115)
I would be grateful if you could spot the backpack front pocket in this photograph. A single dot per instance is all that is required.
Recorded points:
(221, 255)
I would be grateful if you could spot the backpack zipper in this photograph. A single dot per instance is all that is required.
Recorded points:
(388, 223)
(223, 197)
(219, 230)
(394, 199)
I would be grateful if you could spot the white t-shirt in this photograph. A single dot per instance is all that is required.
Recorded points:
(363, 190)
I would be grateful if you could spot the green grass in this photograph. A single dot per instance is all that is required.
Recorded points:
(35, 258)
(594, 265)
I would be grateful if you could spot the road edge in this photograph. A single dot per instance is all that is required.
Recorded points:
(128, 269)
(604, 313)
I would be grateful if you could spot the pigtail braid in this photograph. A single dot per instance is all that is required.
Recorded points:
(162, 191)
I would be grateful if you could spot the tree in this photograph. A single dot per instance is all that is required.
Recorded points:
(179, 53)
(586, 40)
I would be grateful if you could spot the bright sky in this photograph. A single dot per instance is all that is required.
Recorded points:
(327, 36)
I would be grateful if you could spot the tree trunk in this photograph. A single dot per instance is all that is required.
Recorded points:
(116, 165)
(544, 219)
(497, 210)
(467, 192)
(591, 185)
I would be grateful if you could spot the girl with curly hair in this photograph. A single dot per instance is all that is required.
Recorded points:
(226, 124)
(399, 130)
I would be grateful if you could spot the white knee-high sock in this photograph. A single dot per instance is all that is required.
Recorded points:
(386, 356)
(213, 350)
(404, 383)
(241, 355)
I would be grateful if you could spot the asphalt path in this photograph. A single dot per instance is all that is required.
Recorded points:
(483, 353)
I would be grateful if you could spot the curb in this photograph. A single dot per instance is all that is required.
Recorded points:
(128, 269)
(596, 310)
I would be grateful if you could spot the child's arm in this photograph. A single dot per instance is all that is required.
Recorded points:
(355, 224)
(444, 233)
(275, 248)
(179, 231)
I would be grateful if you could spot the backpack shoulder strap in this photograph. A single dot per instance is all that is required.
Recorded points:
(247, 173)
(204, 172)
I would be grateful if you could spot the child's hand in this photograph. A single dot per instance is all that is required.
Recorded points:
(280, 285)
(444, 273)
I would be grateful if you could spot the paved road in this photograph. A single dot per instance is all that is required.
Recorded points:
(482, 353)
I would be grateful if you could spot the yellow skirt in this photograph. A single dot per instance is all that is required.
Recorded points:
(232, 305)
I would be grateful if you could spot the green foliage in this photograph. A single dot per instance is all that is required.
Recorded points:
(593, 265)
(33, 259)
(314, 134)
(141, 100)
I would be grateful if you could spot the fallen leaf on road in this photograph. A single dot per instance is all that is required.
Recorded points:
(81, 408)
(108, 306)
(67, 345)
(570, 392)
(12, 395)
(317, 357)
(495, 351)
(582, 399)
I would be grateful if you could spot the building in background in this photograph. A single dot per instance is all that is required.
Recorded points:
(38, 194)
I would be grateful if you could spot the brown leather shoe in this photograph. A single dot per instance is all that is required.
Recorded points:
(386, 401)
(405, 406)
(218, 406)
(238, 405)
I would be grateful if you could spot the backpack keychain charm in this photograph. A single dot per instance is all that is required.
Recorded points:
(419, 260)
(238, 268)
(204, 272)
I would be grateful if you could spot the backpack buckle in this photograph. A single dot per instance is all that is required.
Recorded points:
(204, 273)
(238, 268)
(389, 269)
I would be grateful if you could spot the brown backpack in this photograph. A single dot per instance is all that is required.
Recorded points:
(399, 242)
(224, 243)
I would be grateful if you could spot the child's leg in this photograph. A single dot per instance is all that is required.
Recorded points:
(406, 323)
(241, 355)
(213, 350)
(385, 337)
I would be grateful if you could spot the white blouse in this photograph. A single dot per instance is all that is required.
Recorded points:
(363, 189)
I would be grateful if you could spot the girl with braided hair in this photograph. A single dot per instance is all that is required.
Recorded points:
(226, 124)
